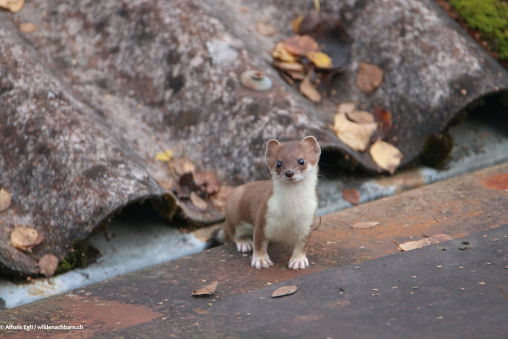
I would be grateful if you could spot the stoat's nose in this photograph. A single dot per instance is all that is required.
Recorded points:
(289, 173)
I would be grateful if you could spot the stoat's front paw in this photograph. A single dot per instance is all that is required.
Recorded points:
(298, 263)
(244, 245)
(261, 261)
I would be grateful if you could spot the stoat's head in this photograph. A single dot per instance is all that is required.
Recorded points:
(292, 161)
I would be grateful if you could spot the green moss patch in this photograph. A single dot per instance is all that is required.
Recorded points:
(82, 254)
(490, 17)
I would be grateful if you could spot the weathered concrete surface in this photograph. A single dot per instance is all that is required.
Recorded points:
(89, 98)
(439, 290)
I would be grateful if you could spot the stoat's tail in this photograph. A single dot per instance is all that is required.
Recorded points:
(216, 239)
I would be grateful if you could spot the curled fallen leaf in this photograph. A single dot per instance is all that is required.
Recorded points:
(354, 135)
(198, 202)
(360, 117)
(25, 238)
(279, 52)
(12, 5)
(308, 90)
(5, 200)
(365, 224)
(48, 264)
(289, 66)
(205, 290)
(300, 45)
(284, 290)
(351, 195)
(386, 156)
(265, 29)
(369, 77)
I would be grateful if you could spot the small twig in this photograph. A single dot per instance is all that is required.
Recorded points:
(315, 228)
(317, 5)
(345, 223)
(400, 248)
(503, 292)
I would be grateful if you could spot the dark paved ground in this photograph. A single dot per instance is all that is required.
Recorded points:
(359, 283)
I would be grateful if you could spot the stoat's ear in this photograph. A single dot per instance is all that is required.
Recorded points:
(271, 148)
(312, 145)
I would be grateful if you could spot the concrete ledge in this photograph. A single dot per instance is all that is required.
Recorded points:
(423, 291)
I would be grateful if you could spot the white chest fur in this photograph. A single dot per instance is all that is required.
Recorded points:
(291, 209)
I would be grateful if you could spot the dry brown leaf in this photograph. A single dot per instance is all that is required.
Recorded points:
(346, 107)
(351, 195)
(279, 52)
(182, 166)
(308, 89)
(205, 290)
(28, 27)
(296, 75)
(437, 238)
(12, 5)
(320, 59)
(384, 120)
(48, 264)
(209, 180)
(356, 136)
(369, 77)
(289, 66)
(24, 238)
(365, 224)
(361, 117)
(265, 29)
(5, 200)
(300, 45)
(386, 156)
(222, 196)
(283, 291)
(198, 202)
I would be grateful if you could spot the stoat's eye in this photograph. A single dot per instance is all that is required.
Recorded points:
(301, 161)
(279, 164)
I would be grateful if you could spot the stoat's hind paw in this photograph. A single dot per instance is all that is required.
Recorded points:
(244, 245)
(298, 263)
(261, 262)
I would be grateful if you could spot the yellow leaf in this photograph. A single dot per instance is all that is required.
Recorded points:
(320, 59)
(279, 52)
(164, 156)
(296, 23)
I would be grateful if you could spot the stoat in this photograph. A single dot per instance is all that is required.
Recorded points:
(282, 209)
